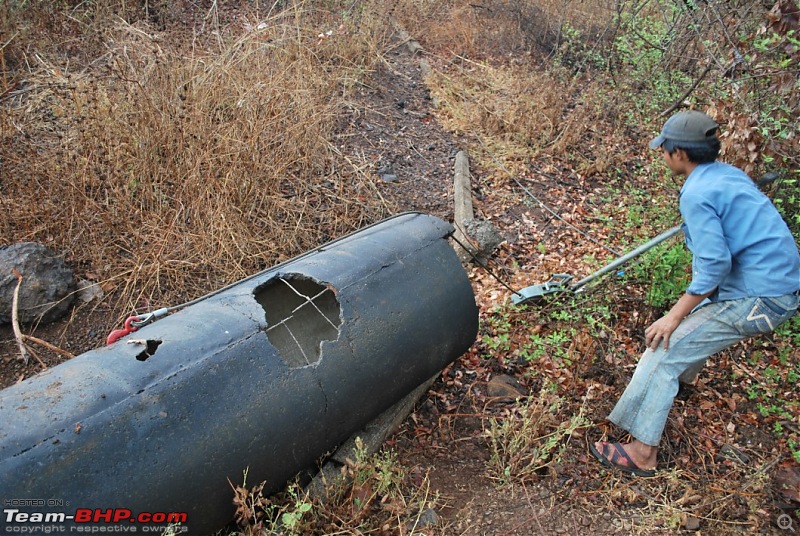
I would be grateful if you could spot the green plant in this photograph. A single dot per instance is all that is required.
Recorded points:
(790, 331)
(576, 52)
(563, 315)
(498, 327)
(292, 517)
(794, 448)
(598, 318)
(497, 342)
(664, 269)
(557, 340)
(534, 349)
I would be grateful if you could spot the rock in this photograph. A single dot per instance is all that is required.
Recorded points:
(385, 169)
(692, 523)
(89, 290)
(732, 453)
(485, 234)
(386, 173)
(47, 287)
(426, 518)
(504, 386)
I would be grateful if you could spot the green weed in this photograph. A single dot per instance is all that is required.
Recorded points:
(498, 327)
(665, 271)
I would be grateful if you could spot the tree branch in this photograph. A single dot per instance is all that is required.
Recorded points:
(678, 102)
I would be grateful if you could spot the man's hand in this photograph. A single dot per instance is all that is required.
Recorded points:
(662, 329)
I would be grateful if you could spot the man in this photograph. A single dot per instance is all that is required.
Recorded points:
(745, 281)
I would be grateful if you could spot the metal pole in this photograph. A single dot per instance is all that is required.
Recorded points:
(628, 256)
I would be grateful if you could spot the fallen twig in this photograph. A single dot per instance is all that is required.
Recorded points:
(36, 356)
(23, 350)
(56, 349)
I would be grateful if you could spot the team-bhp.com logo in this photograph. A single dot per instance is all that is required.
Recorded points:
(92, 520)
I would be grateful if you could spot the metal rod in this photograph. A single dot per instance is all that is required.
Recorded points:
(628, 256)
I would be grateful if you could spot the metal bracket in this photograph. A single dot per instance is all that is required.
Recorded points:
(556, 283)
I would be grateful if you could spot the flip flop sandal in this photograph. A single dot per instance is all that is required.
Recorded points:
(611, 456)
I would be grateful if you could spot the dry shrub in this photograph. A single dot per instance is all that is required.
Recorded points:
(528, 438)
(511, 107)
(68, 30)
(375, 494)
(511, 26)
(486, 83)
(760, 103)
(171, 168)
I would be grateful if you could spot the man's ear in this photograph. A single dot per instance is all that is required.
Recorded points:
(681, 155)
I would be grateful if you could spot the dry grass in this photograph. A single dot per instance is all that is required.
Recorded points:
(375, 495)
(528, 437)
(731, 498)
(168, 168)
(502, 28)
(624, 63)
(509, 107)
(493, 77)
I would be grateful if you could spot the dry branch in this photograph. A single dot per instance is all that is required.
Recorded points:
(15, 318)
(677, 104)
(56, 349)
(24, 351)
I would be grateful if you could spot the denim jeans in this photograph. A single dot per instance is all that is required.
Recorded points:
(643, 408)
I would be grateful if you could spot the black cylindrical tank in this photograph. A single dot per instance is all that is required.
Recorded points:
(264, 377)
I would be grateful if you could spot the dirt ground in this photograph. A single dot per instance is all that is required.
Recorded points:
(390, 126)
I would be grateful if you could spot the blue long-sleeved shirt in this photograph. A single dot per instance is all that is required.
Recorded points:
(740, 244)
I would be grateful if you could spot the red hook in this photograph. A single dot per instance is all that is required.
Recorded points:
(117, 334)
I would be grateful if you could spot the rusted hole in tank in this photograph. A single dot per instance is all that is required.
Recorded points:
(150, 347)
(301, 314)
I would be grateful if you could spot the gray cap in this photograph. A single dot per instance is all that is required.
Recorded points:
(689, 128)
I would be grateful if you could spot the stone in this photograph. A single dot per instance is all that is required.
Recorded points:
(732, 453)
(89, 290)
(504, 387)
(47, 287)
(485, 234)
(692, 523)
(425, 519)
